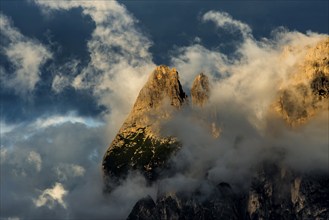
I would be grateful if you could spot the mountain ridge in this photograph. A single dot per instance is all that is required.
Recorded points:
(276, 192)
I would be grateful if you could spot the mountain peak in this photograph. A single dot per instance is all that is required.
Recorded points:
(138, 144)
(163, 83)
(200, 90)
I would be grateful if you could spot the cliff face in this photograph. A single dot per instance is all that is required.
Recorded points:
(138, 146)
(306, 92)
(223, 203)
(276, 192)
(200, 90)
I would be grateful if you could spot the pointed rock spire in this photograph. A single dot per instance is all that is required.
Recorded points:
(200, 90)
(137, 146)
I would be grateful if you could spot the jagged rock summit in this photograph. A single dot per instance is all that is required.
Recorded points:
(200, 90)
(276, 192)
(138, 146)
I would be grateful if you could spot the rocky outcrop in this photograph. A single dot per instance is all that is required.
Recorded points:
(306, 93)
(138, 145)
(222, 204)
(275, 192)
(200, 90)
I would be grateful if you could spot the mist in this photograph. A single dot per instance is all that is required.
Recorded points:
(241, 105)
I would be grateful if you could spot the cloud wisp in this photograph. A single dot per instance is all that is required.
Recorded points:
(225, 21)
(119, 53)
(26, 57)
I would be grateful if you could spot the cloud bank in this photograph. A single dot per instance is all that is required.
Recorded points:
(243, 90)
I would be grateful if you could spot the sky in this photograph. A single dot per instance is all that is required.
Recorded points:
(71, 70)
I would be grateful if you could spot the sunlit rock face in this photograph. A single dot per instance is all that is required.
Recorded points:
(306, 92)
(138, 144)
(200, 90)
(275, 190)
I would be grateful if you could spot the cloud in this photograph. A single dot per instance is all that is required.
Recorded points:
(51, 195)
(4, 128)
(69, 182)
(64, 171)
(194, 59)
(61, 154)
(72, 117)
(118, 51)
(243, 88)
(26, 56)
(64, 74)
(225, 20)
(70, 177)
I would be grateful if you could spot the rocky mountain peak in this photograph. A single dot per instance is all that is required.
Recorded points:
(200, 90)
(163, 83)
(138, 145)
(275, 191)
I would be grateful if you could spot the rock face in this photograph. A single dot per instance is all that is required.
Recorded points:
(307, 91)
(223, 203)
(138, 146)
(274, 194)
(200, 90)
(275, 191)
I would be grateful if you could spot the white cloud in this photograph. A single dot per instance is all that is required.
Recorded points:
(195, 59)
(225, 20)
(5, 128)
(242, 90)
(119, 52)
(26, 55)
(56, 120)
(51, 195)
